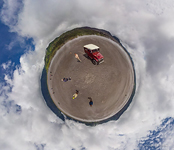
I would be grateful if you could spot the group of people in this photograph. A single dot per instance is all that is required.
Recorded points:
(77, 92)
(66, 79)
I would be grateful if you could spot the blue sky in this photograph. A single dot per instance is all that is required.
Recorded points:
(12, 46)
(145, 29)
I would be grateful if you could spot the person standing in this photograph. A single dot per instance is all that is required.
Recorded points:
(77, 57)
(90, 102)
(76, 94)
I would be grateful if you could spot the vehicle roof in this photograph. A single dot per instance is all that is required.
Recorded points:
(91, 46)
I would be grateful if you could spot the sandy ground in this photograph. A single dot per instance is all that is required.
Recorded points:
(109, 84)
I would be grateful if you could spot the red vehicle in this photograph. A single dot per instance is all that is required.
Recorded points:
(93, 52)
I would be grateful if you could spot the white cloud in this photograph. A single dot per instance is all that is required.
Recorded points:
(6, 65)
(9, 12)
(144, 29)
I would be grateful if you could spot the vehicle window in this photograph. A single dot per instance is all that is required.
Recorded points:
(95, 50)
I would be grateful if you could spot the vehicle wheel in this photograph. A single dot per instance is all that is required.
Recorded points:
(94, 62)
(86, 55)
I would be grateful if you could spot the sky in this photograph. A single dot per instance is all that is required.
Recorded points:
(145, 28)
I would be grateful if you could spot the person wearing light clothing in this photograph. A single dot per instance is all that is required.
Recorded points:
(76, 94)
(77, 57)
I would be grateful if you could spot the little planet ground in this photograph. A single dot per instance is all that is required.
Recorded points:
(110, 84)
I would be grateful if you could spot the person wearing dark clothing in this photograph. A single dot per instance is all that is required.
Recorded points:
(90, 102)
(66, 79)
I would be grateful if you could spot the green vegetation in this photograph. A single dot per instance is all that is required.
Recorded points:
(69, 35)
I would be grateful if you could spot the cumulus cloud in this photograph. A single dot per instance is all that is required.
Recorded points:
(143, 28)
(6, 65)
(9, 12)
